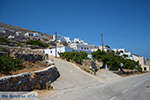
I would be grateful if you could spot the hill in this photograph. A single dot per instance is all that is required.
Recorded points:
(23, 30)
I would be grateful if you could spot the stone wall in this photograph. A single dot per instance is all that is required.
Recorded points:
(29, 81)
(26, 54)
(30, 57)
(3, 53)
(126, 72)
(23, 50)
(90, 64)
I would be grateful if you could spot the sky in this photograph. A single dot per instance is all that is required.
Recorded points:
(123, 23)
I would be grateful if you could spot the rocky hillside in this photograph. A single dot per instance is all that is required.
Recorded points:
(16, 28)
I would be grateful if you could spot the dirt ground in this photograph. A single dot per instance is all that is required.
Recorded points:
(29, 67)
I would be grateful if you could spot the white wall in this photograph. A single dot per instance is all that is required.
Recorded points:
(80, 46)
(51, 52)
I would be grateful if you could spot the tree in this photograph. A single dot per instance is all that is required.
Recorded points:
(98, 54)
(125, 56)
(107, 46)
(114, 60)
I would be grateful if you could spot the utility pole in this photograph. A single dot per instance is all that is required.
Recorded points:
(102, 40)
(56, 44)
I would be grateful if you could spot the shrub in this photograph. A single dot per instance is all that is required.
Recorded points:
(8, 63)
(75, 56)
(2, 39)
(113, 61)
(37, 42)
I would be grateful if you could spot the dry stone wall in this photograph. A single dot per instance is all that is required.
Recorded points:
(30, 57)
(29, 81)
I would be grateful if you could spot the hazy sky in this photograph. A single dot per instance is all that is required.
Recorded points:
(124, 23)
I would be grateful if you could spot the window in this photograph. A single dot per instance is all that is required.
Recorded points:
(87, 48)
(50, 51)
(81, 47)
(43, 51)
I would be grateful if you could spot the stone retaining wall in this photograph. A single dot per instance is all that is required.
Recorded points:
(22, 50)
(125, 72)
(30, 57)
(29, 81)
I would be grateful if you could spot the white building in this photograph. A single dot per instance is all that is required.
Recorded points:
(142, 62)
(31, 34)
(80, 46)
(62, 39)
(18, 33)
(11, 37)
(131, 56)
(68, 39)
(78, 40)
(51, 52)
(2, 30)
(100, 48)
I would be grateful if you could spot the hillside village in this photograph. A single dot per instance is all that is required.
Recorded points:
(79, 45)
(32, 51)
(74, 50)
(18, 37)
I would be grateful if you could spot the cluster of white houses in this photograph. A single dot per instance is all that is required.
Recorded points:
(34, 35)
(79, 45)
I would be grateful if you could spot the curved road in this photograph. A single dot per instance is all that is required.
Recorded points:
(75, 84)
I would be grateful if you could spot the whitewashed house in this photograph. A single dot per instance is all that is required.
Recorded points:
(11, 37)
(131, 56)
(62, 39)
(142, 62)
(68, 39)
(78, 40)
(18, 33)
(100, 48)
(51, 52)
(31, 34)
(80, 46)
(2, 30)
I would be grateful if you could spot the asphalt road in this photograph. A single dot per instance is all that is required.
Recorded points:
(72, 77)
(74, 84)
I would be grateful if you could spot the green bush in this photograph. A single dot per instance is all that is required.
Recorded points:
(37, 42)
(113, 60)
(19, 44)
(2, 39)
(8, 63)
(139, 68)
(74, 56)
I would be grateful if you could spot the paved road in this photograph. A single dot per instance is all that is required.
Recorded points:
(71, 76)
(75, 84)
(131, 88)
(107, 76)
